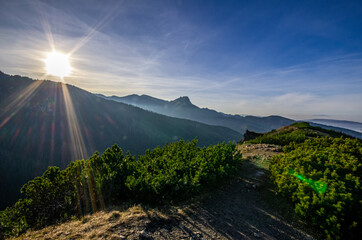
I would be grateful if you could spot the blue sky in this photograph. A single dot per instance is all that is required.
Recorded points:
(299, 59)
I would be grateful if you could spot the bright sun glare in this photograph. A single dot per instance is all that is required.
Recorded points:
(57, 64)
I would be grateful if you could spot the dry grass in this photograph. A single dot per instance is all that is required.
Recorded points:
(259, 154)
(113, 224)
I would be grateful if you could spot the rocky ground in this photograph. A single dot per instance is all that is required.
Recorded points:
(250, 151)
(246, 208)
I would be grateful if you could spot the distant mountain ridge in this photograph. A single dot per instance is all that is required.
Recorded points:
(183, 108)
(43, 122)
(351, 125)
(338, 129)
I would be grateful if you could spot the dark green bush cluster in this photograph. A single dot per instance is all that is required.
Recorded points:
(282, 138)
(179, 170)
(305, 168)
(49, 198)
(175, 171)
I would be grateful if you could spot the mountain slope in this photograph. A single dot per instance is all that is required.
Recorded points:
(46, 123)
(183, 108)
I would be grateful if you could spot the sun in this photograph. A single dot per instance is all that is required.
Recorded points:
(57, 64)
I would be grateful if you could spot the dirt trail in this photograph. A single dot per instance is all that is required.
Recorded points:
(245, 209)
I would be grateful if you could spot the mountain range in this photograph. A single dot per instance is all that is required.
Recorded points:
(45, 123)
(183, 108)
(351, 125)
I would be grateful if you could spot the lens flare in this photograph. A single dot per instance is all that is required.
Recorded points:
(317, 186)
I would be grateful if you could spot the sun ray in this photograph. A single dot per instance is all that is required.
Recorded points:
(76, 137)
(94, 30)
(16, 101)
(48, 34)
(53, 126)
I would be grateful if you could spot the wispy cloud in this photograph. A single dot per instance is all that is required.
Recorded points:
(126, 47)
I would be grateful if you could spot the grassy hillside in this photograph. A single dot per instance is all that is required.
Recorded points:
(296, 132)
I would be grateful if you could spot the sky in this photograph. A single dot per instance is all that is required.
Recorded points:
(298, 59)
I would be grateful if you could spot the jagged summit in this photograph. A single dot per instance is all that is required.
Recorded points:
(185, 100)
(182, 107)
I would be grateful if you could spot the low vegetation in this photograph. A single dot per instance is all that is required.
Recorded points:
(318, 172)
(297, 133)
(321, 176)
(172, 172)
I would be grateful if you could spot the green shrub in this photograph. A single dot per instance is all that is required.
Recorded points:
(51, 197)
(172, 172)
(282, 139)
(178, 170)
(335, 162)
(13, 219)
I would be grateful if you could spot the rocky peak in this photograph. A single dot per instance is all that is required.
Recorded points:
(249, 135)
(182, 101)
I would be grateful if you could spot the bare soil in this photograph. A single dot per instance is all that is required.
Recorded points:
(249, 151)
